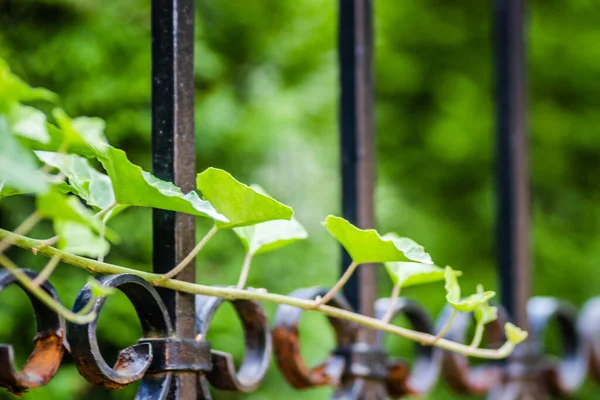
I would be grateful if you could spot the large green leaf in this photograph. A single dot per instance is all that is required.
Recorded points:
(18, 168)
(365, 245)
(242, 205)
(411, 249)
(94, 187)
(453, 295)
(79, 239)
(29, 123)
(136, 187)
(270, 235)
(412, 273)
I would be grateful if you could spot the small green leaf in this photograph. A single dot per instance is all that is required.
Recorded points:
(484, 314)
(82, 135)
(79, 239)
(136, 187)
(270, 235)
(364, 245)
(412, 273)
(514, 334)
(242, 205)
(468, 304)
(18, 168)
(29, 123)
(94, 187)
(57, 206)
(452, 286)
(411, 249)
(99, 290)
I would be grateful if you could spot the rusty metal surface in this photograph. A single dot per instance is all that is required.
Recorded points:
(354, 368)
(48, 348)
(174, 159)
(422, 376)
(287, 343)
(257, 336)
(456, 370)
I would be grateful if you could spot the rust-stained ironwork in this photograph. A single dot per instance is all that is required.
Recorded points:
(48, 348)
(459, 375)
(354, 368)
(174, 361)
(287, 343)
(174, 160)
(257, 335)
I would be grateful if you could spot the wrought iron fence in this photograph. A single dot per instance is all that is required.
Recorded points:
(172, 359)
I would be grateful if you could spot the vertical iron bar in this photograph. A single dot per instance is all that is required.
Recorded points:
(513, 214)
(355, 47)
(173, 158)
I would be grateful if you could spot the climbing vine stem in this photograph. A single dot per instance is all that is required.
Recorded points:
(259, 295)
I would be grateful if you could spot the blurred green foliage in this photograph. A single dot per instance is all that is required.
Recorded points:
(266, 101)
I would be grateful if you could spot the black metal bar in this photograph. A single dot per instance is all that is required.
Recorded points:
(513, 216)
(355, 46)
(173, 158)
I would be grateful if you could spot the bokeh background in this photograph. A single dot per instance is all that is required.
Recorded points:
(266, 110)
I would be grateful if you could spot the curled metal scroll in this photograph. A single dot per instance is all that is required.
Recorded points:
(566, 375)
(258, 345)
(460, 376)
(422, 377)
(287, 343)
(588, 325)
(44, 361)
(133, 362)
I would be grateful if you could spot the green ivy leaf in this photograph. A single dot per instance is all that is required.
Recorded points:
(94, 187)
(79, 239)
(484, 314)
(29, 123)
(99, 290)
(59, 207)
(136, 187)
(82, 135)
(242, 205)
(270, 235)
(6, 191)
(365, 245)
(412, 273)
(452, 286)
(18, 168)
(411, 249)
(468, 304)
(514, 334)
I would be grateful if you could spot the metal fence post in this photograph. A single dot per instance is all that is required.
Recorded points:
(513, 216)
(355, 47)
(173, 158)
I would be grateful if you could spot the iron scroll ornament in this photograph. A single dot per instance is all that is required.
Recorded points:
(45, 359)
(456, 370)
(257, 335)
(133, 362)
(354, 367)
